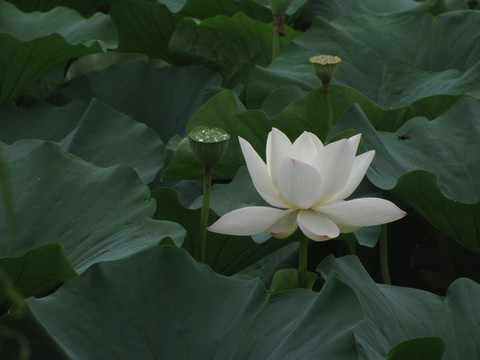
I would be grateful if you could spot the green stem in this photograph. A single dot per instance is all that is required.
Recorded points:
(328, 104)
(7, 199)
(351, 247)
(23, 343)
(207, 186)
(275, 40)
(384, 256)
(302, 262)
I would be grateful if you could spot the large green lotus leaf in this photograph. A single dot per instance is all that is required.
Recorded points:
(394, 60)
(31, 44)
(107, 137)
(161, 304)
(458, 221)
(233, 45)
(395, 314)
(224, 253)
(202, 9)
(145, 27)
(88, 135)
(23, 339)
(85, 7)
(433, 165)
(101, 61)
(265, 268)
(162, 98)
(41, 121)
(460, 4)
(96, 213)
(35, 273)
(445, 146)
(343, 97)
(255, 9)
(336, 8)
(426, 348)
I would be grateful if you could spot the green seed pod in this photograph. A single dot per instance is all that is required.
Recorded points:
(208, 144)
(279, 7)
(325, 67)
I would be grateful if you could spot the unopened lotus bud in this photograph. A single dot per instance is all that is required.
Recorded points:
(208, 144)
(325, 67)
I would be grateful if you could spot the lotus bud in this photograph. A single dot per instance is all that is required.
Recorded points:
(208, 144)
(325, 67)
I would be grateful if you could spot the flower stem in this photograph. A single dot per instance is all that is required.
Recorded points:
(302, 262)
(207, 186)
(384, 256)
(328, 104)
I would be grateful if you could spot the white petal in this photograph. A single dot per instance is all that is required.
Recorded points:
(362, 212)
(359, 168)
(285, 227)
(316, 227)
(306, 147)
(334, 163)
(279, 147)
(260, 177)
(248, 220)
(355, 140)
(299, 183)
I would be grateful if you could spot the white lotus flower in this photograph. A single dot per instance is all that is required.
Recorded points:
(306, 183)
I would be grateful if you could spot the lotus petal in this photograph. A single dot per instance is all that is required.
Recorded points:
(306, 147)
(355, 140)
(278, 148)
(334, 163)
(260, 177)
(249, 220)
(299, 183)
(362, 212)
(359, 168)
(286, 226)
(316, 227)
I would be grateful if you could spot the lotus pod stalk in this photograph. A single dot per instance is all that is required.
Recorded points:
(325, 67)
(208, 145)
(278, 8)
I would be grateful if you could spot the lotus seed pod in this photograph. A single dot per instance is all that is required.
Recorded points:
(325, 67)
(208, 144)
